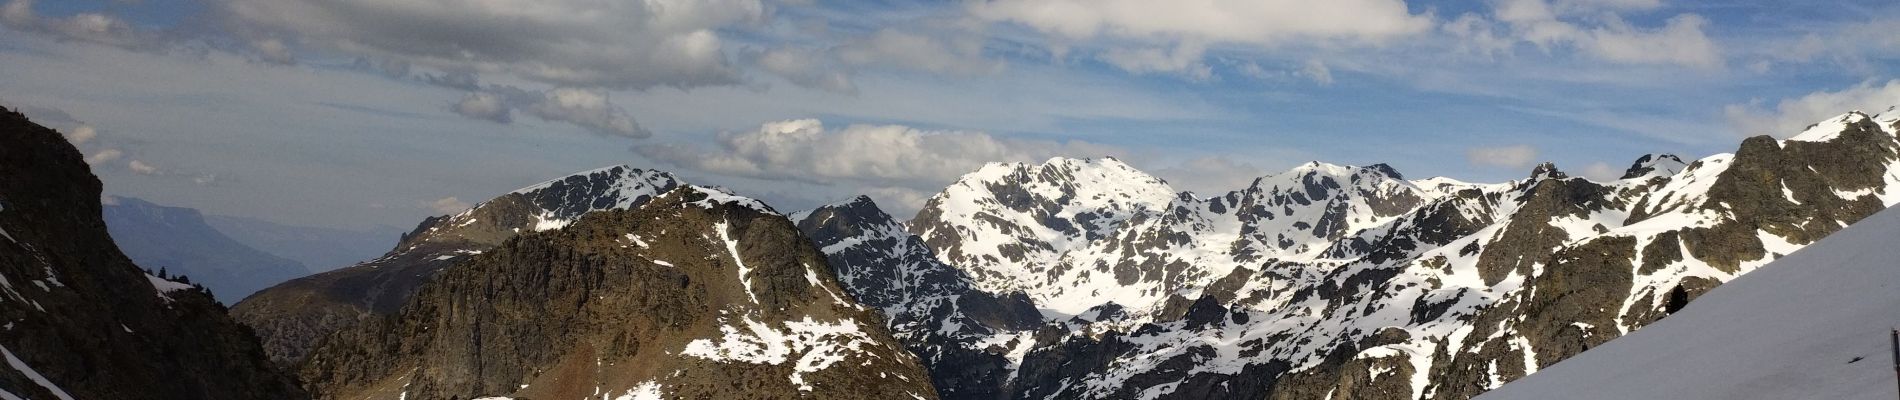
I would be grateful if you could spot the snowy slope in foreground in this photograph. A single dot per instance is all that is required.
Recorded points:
(1790, 330)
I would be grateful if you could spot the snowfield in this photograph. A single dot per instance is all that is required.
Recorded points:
(1813, 325)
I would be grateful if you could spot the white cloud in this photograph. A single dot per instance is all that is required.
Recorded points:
(870, 155)
(1679, 42)
(484, 106)
(274, 51)
(1790, 116)
(1318, 72)
(1184, 58)
(141, 168)
(588, 109)
(446, 205)
(104, 156)
(578, 43)
(81, 134)
(1517, 156)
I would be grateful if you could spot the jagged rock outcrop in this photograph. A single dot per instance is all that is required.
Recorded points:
(80, 320)
(698, 294)
(291, 317)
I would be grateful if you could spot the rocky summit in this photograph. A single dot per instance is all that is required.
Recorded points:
(697, 294)
(78, 320)
(290, 317)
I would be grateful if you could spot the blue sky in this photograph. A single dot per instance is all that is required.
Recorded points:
(354, 113)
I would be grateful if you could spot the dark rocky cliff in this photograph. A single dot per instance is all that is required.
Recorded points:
(81, 321)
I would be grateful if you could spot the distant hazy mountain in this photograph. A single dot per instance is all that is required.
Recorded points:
(178, 240)
(320, 249)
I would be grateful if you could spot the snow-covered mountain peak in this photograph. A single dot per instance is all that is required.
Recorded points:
(715, 197)
(1655, 164)
(613, 187)
(1315, 177)
(548, 205)
(1005, 221)
(1889, 120)
(1831, 128)
(1439, 186)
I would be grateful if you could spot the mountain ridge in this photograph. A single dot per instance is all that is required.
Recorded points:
(292, 316)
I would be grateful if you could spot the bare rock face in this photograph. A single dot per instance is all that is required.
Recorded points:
(291, 317)
(80, 320)
(698, 294)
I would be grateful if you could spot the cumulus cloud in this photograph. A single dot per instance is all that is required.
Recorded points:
(446, 205)
(567, 43)
(589, 109)
(104, 156)
(1789, 117)
(1518, 156)
(141, 168)
(1679, 42)
(869, 155)
(81, 134)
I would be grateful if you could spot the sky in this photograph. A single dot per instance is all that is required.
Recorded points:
(362, 113)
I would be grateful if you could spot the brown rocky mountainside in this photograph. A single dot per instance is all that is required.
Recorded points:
(697, 294)
(291, 317)
(80, 320)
